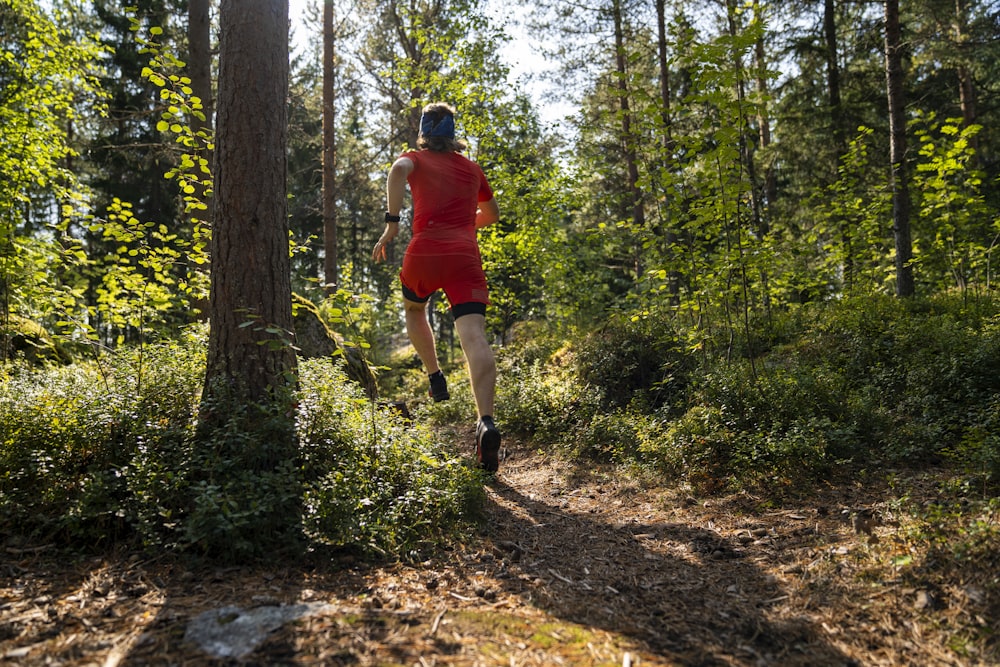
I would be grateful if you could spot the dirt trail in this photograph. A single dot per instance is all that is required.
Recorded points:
(577, 567)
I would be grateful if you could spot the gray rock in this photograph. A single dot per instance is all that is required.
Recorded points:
(233, 632)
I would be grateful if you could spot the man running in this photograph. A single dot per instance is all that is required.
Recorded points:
(451, 200)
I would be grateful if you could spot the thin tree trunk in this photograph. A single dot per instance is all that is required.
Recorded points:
(901, 204)
(760, 225)
(966, 86)
(628, 139)
(668, 145)
(837, 126)
(661, 52)
(199, 34)
(833, 77)
(763, 120)
(330, 258)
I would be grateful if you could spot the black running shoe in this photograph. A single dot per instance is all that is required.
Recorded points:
(488, 444)
(439, 387)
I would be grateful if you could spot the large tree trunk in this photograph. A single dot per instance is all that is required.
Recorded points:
(250, 357)
(897, 150)
(330, 259)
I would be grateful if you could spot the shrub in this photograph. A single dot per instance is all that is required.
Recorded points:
(544, 399)
(105, 455)
(922, 371)
(67, 435)
(371, 481)
(636, 361)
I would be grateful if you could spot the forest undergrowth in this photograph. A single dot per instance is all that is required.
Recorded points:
(830, 499)
(573, 565)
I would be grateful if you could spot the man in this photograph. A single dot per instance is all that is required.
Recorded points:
(451, 200)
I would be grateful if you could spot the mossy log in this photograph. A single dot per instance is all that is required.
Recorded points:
(314, 338)
(26, 339)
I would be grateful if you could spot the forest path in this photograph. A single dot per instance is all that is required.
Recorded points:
(574, 567)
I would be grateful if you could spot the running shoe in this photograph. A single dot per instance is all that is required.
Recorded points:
(439, 387)
(488, 444)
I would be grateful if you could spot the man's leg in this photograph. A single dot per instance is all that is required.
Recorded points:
(421, 336)
(479, 357)
(483, 376)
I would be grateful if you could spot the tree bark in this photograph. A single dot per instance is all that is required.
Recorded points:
(763, 120)
(249, 351)
(199, 36)
(966, 86)
(899, 175)
(661, 52)
(833, 77)
(838, 128)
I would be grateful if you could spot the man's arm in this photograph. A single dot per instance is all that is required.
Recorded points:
(395, 190)
(488, 213)
(395, 184)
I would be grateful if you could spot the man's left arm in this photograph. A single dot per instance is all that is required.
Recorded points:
(487, 213)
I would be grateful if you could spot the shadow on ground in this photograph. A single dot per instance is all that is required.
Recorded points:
(684, 593)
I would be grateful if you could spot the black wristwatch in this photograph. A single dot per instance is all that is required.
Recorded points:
(389, 217)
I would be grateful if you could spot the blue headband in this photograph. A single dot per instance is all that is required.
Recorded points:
(443, 128)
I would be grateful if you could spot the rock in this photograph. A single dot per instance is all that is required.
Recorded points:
(232, 632)
(924, 600)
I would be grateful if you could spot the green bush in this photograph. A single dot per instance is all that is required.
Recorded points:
(67, 435)
(978, 451)
(641, 362)
(98, 454)
(862, 380)
(360, 479)
(544, 399)
(371, 481)
(926, 368)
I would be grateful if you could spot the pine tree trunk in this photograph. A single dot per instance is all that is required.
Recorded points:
(763, 120)
(330, 259)
(628, 136)
(199, 34)
(897, 151)
(249, 352)
(837, 126)
(966, 85)
(668, 144)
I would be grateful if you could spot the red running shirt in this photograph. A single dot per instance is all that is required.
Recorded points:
(446, 188)
(444, 253)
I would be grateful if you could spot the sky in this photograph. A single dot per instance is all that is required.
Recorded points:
(524, 61)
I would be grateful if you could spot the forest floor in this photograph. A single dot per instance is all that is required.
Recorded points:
(575, 566)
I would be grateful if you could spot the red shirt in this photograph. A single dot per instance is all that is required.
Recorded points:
(447, 188)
